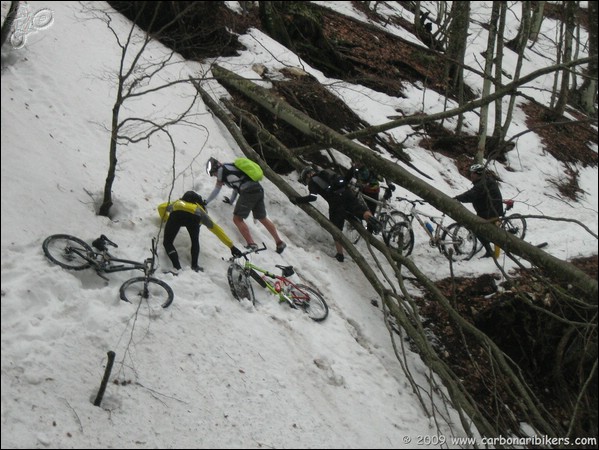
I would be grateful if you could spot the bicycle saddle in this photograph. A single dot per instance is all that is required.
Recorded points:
(101, 242)
(286, 270)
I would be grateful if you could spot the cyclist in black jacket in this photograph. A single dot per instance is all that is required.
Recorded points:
(486, 199)
(343, 204)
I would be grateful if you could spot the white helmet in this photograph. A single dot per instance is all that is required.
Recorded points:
(477, 168)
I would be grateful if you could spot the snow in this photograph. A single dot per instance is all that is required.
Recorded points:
(209, 371)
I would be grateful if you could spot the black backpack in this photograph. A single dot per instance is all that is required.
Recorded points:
(194, 197)
(330, 181)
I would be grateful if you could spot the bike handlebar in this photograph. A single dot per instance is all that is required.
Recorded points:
(413, 202)
(255, 250)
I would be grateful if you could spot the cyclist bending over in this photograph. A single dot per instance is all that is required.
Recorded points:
(189, 212)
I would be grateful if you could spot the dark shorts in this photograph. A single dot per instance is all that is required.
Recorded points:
(251, 200)
(348, 206)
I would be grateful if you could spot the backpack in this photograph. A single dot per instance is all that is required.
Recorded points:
(250, 168)
(330, 181)
(194, 197)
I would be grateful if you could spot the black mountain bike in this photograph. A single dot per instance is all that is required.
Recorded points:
(72, 253)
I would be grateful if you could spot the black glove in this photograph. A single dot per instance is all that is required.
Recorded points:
(374, 224)
(236, 252)
(227, 200)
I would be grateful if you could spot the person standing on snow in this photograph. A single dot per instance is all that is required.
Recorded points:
(486, 199)
(343, 204)
(251, 199)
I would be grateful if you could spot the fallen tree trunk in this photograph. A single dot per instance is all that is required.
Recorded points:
(553, 266)
(406, 316)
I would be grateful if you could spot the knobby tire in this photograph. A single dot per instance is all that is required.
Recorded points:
(310, 301)
(153, 291)
(462, 250)
(514, 224)
(240, 284)
(58, 248)
(398, 233)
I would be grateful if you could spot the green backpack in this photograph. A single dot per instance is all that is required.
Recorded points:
(250, 168)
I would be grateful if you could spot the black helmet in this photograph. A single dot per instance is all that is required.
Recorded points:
(477, 168)
(306, 171)
(212, 166)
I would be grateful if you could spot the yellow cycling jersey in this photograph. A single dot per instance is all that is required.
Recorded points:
(164, 210)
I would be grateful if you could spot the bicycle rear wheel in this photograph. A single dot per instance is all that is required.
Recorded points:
(515, 225)
(310, 301)
(240, 284)
(398, 234)
(66, 250)
(150, 290)
(458, 243)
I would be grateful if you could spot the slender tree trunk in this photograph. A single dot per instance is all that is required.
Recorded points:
(569, 24)
(7, 25)
(521, 47)
(490, 55)
(499, 70)
(587, 94)
(523, 30)
(537, 20)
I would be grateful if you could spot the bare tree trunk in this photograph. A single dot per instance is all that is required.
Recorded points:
(537, 20)
(555, 267)
(523, 30)
(456, 44)
(569, 23)
(7, 25)
(520, 46)
(499, 69)
(489, 57)
(132, 75)
(587, 94)
(457, 35)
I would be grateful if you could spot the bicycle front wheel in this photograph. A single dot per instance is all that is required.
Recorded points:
(67, 251)
(152, 291)
(458, 243)
(240, 284)
(514, 224)
(398, 234)
(310, 301)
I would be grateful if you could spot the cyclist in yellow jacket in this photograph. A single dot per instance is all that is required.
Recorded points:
(189, 212)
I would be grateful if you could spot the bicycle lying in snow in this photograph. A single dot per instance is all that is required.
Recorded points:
(72, 253)
(297, 296)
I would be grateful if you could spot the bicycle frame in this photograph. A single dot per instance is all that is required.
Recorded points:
(103, 262)
(415, 213)
(298, 296)
(280, 285)
(381, 205)
(453, 241)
